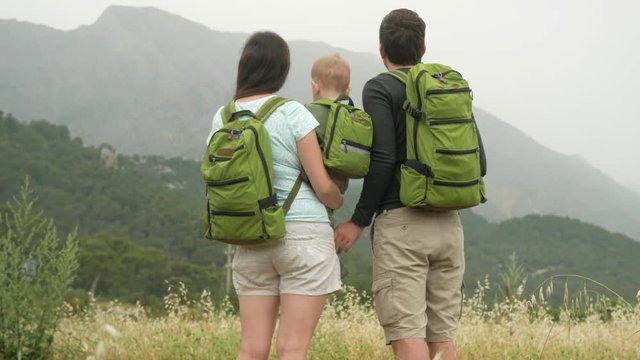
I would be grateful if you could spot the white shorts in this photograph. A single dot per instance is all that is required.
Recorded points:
(303, 263)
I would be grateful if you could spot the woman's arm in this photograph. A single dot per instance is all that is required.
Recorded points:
(311, 159)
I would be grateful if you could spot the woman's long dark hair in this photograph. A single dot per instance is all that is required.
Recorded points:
(264, 65)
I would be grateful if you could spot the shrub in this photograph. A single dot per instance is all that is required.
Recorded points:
(36, 271)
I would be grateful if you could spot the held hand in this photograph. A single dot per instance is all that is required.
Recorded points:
(345, 235)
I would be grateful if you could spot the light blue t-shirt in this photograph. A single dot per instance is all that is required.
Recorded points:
(288, 124)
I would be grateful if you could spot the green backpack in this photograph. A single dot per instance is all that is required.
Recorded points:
(347, 140)
(237, 168)
(442, 169)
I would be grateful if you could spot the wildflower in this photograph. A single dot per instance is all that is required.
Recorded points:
(111, 330)
(101, 351)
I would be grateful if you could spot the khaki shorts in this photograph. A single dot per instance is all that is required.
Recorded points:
(418, 264)
(303, 263)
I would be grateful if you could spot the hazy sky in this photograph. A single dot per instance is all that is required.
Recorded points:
(566, 72)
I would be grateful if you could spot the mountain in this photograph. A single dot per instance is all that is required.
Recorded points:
(140, 79)
(147, 82)
(527, 178)
(635, 188)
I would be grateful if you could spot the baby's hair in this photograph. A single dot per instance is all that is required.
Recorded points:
(332, 72)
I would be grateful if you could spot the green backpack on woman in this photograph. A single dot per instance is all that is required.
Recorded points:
(237, 168)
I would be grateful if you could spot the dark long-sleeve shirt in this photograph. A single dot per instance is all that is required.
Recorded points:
(382, 98)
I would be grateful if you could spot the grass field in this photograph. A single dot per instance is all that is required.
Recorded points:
(348, 329)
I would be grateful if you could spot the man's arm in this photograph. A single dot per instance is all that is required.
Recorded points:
(377, 103)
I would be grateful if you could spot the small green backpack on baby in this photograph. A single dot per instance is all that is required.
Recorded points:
(442, 170)
(237, 168)
(348, 137)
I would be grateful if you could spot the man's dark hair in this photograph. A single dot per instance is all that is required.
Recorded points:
(264, 65)
(402, 37)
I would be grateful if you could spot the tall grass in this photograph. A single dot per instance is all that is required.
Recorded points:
(514, 328)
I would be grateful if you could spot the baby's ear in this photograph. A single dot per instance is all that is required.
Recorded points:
(348, 91)
(315, 89)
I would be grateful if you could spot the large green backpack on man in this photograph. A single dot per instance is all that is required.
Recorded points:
(237, 168)
(346, 135)
(443, 167)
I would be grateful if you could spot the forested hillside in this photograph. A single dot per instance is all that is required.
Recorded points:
(136, 216)
(139, 223)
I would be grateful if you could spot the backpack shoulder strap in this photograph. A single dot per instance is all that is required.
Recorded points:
(323, 102)
(227, 110)
(269, 107)
(398, 75)
(345, 98)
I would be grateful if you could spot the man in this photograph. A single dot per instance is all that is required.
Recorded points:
(418, 254)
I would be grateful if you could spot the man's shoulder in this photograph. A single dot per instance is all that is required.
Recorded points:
(384, 84)
(381, 78)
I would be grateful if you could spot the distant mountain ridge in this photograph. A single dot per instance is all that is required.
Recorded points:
(527, 178)
(141, 79)
(147, 82)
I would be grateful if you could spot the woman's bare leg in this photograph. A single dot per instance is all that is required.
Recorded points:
(299, 315)
(258, 316)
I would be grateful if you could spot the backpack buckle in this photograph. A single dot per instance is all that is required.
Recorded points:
(440, 77)
(234, 134)
(415, 113)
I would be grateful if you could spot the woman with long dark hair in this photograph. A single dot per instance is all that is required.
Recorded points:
(292, 277)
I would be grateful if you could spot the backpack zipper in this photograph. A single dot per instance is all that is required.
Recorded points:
(228, 182)
(214, 159)
(440, 76)
(456, 184)
(456, 152)
(333, 130)
(447, 91)
(355, 147)
(232, 213)
(449, 121)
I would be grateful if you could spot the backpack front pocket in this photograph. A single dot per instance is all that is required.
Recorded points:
(233, 210)
(348, 145)
(274, 225)
(237, 194)
(454, 194)
(353, 161)
(456, 165)
(451, 134)
(236, 227)
(413, 186)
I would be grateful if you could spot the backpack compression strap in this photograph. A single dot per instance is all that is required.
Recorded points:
(292, 194)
